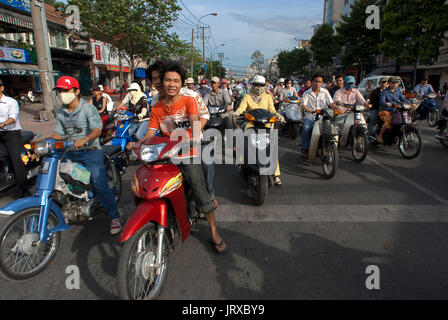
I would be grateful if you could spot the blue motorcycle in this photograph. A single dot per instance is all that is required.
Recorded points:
(31, 236)
(427, 109)
(122, 136)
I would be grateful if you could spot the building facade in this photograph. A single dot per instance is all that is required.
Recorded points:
(333, 11)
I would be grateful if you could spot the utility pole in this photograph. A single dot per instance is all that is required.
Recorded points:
(221, 59)
(192, 48)
(43, 56)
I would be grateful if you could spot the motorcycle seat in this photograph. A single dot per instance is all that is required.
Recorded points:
(27, 136)
(111, 150)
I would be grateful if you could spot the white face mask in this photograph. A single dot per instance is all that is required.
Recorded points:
(67, 97)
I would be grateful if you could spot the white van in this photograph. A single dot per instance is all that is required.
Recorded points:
(376, 83)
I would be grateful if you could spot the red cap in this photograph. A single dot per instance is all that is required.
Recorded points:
(66, 83)
(204, 82)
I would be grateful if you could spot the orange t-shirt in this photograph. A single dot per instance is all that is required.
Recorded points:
(169, 118)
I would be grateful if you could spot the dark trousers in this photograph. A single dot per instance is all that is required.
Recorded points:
(13, 142)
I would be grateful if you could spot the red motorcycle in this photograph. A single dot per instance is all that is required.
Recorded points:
(161, 222)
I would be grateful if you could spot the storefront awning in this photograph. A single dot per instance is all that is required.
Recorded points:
(17, 20)
(18, 69)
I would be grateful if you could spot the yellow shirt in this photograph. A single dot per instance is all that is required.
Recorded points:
(248, 104)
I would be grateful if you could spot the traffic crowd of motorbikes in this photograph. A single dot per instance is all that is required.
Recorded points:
(78, 169)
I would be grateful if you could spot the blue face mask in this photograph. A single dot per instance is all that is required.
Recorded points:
(349, 86)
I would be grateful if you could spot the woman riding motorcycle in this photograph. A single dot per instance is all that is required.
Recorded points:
(259, 99)
(138, 105)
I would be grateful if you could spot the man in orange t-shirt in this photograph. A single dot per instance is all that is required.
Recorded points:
(181, 112)
(177, 116)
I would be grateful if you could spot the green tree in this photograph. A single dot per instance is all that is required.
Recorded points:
(325, 46)
(293, 62)
(413, 30)
(360, 45)
(258, 61)
(136, 28)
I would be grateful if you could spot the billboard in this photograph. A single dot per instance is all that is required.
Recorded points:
(14, 55)
(22, 5)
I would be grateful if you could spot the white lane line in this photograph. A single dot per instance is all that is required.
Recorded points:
(417, 186)
(332, 213)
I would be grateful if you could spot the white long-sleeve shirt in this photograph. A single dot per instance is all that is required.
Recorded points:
(9, 108)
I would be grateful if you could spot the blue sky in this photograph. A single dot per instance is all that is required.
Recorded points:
(246, 26)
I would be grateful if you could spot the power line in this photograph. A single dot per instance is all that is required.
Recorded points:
(189, 10)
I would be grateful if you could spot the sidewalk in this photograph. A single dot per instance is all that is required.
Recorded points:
(45, 129)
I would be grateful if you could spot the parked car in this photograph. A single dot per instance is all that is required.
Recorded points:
(376, 83)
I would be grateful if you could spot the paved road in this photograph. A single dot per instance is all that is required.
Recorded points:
(314, 238)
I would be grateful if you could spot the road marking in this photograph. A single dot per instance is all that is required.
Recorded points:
(332, 213)
(417, 186)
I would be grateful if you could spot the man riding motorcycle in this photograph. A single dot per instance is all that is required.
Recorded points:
(389, 98)
(259, 99)
(175, 111)
(81, 121)
(421, 90)
(349, 94)
(220, 97)
(313, 99)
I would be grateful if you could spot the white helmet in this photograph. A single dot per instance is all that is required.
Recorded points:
(259, 79)
(189, 81)
(281, 80)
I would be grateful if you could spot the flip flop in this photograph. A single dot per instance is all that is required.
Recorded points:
(218, 245)
(278, 182)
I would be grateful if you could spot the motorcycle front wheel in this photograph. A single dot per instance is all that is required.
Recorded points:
(138, 276)
(411, 148)
(443, 133)
(22, 255)
(433, 118)
(330, 160)
(360, 148)
(260, 191)
(294, 130)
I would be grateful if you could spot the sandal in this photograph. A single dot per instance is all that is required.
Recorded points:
(278, 182)
(216, 247)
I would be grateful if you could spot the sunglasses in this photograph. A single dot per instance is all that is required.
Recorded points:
(258, 85)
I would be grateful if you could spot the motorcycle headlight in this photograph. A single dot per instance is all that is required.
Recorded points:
(260, 141)
(41, 148)
(151, 153)
(360, 108)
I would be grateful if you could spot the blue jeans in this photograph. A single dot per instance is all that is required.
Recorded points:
(94, 162)
(139, 129)
(307, 130)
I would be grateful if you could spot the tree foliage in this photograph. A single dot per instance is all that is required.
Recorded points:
(325, 46)
(415, 32)
(360, 44)
(293, 62)
(136, 28)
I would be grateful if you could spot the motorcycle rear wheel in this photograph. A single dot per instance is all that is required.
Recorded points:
(22, 255)
(330, 160)
(138, 279)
